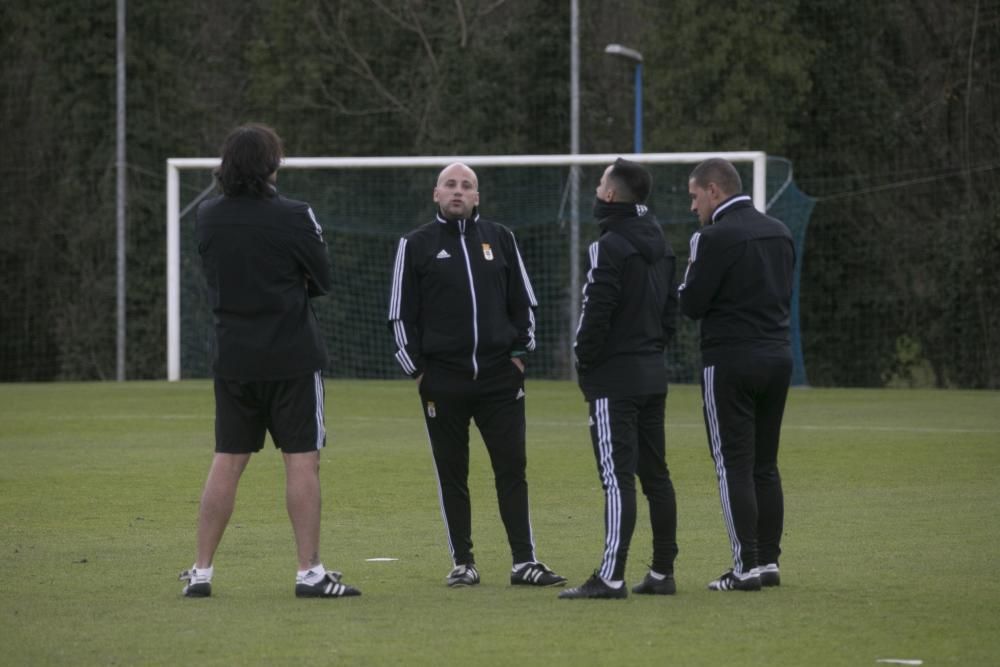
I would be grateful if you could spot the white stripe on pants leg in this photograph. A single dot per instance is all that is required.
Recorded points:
(320, 409)
(715, 438)
(612, 493)
(437, 477)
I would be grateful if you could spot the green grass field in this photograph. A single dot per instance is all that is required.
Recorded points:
(890, 552)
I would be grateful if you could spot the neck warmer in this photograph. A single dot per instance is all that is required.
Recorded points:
(604, 210)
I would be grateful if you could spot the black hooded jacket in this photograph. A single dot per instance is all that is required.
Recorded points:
(629, 306)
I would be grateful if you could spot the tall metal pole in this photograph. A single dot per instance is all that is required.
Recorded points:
(121, 194)
(633, 56)
(574, 180)
(638, 107)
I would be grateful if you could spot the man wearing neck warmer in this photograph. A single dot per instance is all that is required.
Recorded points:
(629, 309)
(462, 314)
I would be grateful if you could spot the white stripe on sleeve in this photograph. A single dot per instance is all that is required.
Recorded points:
(692, 256)
(312, 216)
(396, 295)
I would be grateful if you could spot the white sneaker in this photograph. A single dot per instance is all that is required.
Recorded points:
(199, 582)
(769, 575)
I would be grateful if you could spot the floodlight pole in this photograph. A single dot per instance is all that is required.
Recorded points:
(636, 57)
(120, 210)
(574, 184)
(637, 139)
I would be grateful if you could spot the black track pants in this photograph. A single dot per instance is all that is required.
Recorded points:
(495, 401)
(628, 439)
(744, 401)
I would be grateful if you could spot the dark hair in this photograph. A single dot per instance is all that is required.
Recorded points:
(250, 154)
(718, 171)
(633, 181)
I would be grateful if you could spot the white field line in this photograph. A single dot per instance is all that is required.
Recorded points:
(698, 425)
(128, 417)
(334, 418)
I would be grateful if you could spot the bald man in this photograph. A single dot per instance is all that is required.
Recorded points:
(462, 314)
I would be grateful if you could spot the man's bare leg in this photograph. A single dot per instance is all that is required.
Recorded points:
(303, 500)
(217, 502)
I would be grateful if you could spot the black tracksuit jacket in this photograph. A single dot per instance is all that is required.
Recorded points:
(263, 259)
(629, 308)
(460, 298)
(739, 282)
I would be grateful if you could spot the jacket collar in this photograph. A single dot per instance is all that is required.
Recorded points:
(731, 204)
(459, 225)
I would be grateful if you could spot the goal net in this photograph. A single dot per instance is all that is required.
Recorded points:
(366, 204)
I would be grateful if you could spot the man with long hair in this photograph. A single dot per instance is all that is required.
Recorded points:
(264, 258)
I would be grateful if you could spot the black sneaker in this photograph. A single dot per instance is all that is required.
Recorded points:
(650, 585)
(595, 588)
(463, 575)
(330, 586)
(769, 575)
(536, 574)
(730, 581)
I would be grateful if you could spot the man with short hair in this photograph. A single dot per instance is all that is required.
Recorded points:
(629, 312)
(739, 284)
(264, 258)
(461, 310)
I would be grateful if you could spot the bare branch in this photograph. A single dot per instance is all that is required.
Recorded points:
(344, 110)
(417, 28)
(461, 23)
(490, 9)
(398, 20)
(480, 14)
(412, 27)
(362, 67)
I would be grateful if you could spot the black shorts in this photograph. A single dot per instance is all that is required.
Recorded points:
(290, 410)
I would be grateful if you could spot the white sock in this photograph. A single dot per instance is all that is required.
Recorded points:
(203, 571)
(310, 576)
(518, 566)
(656, 575)
(613, 583)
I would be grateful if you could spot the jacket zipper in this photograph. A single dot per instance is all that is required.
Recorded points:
(475, 307)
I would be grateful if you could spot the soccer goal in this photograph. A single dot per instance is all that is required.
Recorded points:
(366, 203)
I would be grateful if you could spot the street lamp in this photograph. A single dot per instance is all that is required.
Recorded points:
(636, 57)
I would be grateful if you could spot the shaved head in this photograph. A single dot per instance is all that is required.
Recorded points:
(458, 170)
(457, 191)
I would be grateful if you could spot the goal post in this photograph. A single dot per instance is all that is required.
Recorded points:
(755, 162)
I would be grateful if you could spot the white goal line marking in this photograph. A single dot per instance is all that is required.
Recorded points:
(697, 425)
(333, 419)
